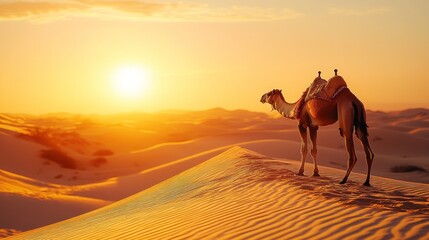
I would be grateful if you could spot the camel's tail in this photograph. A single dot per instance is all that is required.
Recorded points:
(361, 129)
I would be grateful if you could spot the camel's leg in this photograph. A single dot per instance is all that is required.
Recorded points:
(352, 156)
(369, 156)
(303, 133)
(346, 120)
(313, 137)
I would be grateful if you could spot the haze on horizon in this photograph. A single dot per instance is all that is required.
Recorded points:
(62, 56)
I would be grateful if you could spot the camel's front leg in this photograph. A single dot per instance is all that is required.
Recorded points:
(303, 133)
(313, 137)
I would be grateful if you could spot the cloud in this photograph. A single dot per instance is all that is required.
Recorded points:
(137, 10)
(20, 9)
(358, 12)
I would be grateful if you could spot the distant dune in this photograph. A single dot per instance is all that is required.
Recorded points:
(66, 165)
(242, 194)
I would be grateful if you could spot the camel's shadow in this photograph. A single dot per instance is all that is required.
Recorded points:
(352, 193)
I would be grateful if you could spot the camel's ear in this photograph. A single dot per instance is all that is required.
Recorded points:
(280, 90)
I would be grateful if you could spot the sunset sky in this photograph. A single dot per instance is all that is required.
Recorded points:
(67, 56)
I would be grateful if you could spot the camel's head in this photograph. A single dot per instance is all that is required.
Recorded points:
(270, 96)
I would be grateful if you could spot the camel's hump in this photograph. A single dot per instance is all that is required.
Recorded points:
(319, 81)
(334, 84)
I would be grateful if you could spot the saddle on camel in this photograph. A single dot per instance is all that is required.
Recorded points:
(321, 104)
(320, 89)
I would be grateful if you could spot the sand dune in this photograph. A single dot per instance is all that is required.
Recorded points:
(241, 195)
(24, 199)
(95, 160)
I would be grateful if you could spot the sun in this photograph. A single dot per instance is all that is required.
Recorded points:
(131, 81)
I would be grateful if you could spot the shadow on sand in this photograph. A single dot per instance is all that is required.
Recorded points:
(353, 193)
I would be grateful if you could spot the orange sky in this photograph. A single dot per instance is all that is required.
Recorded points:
(60, 56)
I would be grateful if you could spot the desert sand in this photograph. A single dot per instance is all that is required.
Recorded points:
(183, 175)
(242, 194)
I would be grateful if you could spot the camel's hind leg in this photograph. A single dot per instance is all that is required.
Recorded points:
(346, 120)
(304, 150)
(369, 155)
(352, 157)
(313, 137)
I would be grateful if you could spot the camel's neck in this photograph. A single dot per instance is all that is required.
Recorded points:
(284, 108)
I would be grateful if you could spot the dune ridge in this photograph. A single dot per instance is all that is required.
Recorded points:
(241, 194)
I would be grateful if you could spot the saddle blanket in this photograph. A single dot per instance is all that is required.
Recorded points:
(317, 90)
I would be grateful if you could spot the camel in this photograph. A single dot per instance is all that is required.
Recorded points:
(322, 104)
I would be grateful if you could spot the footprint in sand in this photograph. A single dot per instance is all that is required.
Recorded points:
(361, 201)
(329, 195)
(307, 187)
(397, 193)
